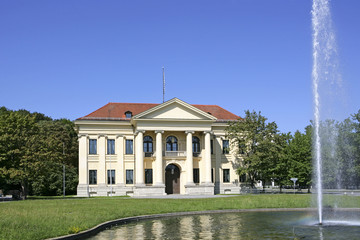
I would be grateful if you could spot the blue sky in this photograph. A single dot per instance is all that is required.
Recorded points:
(68, 58)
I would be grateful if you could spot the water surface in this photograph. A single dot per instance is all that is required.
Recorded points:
(243, 225)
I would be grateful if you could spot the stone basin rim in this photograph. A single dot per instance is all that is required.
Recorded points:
(121, 221)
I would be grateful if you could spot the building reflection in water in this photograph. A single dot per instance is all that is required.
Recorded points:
(249, 225)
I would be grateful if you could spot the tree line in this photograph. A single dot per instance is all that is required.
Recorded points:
(269, 155)
(33, 150)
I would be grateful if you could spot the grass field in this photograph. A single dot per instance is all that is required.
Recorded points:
(45, 218)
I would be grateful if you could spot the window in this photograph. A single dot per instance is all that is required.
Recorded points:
(148, 144)
(129, 147)
(128, 114)
(212, 146)
(226, 175)
(226, 147)
(196, 144)
(111, 176)
(92, 176)
(212, 175)
(196, 175)
(242, 178)
(92, 146)
(111, 146)
(171, 143)
(148, 176)
(129, 176)
(242, 148)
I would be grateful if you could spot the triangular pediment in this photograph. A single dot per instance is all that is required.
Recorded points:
(175, 109)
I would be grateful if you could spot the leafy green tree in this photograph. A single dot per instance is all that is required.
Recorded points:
(300, 158)
(55, 146)
(17, 131)
(33, 150)
(281, 161)
(356, 142)
(258, 143)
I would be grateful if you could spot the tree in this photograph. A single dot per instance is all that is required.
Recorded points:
(300, 157)
(17, 130)
(259, 143)
(55, 146)
(33, 150)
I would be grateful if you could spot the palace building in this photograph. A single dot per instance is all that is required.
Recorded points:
(156, 149)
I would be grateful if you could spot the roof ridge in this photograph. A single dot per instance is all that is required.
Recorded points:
(134, 103)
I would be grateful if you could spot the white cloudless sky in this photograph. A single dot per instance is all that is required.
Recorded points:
(68, 58)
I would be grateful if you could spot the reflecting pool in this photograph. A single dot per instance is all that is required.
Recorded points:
(240, 225)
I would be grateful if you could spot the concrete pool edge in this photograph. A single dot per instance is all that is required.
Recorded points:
(120, 221)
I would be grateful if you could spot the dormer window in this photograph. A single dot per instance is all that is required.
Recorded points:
(128, 114)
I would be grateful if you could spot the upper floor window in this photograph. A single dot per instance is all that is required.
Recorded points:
(212, 146)
(171, 143)
(226, 148)
(242, 148)
(92, 146)
(111, 146)
(128, 114)
(196, 144)
(129, 146)
(148, 144)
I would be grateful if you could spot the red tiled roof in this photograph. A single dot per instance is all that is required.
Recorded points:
(116, 111)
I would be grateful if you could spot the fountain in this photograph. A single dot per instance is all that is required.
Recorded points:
(327, 83)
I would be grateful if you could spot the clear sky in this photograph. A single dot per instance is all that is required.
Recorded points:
(68, 58)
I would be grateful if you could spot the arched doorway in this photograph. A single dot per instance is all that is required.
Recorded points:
(172, 179)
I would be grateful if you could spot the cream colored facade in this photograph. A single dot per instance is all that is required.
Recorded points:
(170, 170)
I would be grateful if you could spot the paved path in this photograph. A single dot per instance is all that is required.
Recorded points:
(180, 196)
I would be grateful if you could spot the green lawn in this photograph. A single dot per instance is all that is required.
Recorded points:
(39, 218)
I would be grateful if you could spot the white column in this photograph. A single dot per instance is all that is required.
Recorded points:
(83, 161)
(101, 179)
(189, 158)
(217, 151)
(139, 158)
(207, 158)
(159, 179)
(119, 151)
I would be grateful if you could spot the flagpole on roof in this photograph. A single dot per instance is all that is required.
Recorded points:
(163, 68)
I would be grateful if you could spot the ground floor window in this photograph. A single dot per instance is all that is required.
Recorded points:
(111, 176)
(148, 176)
(226, 175)
(196, 175)
(92, 177)
(242, 178)
(129, 176)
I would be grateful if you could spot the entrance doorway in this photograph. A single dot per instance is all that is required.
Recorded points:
(172, 179)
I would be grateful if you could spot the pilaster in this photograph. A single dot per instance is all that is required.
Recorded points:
(83, 186)
(119, 150)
